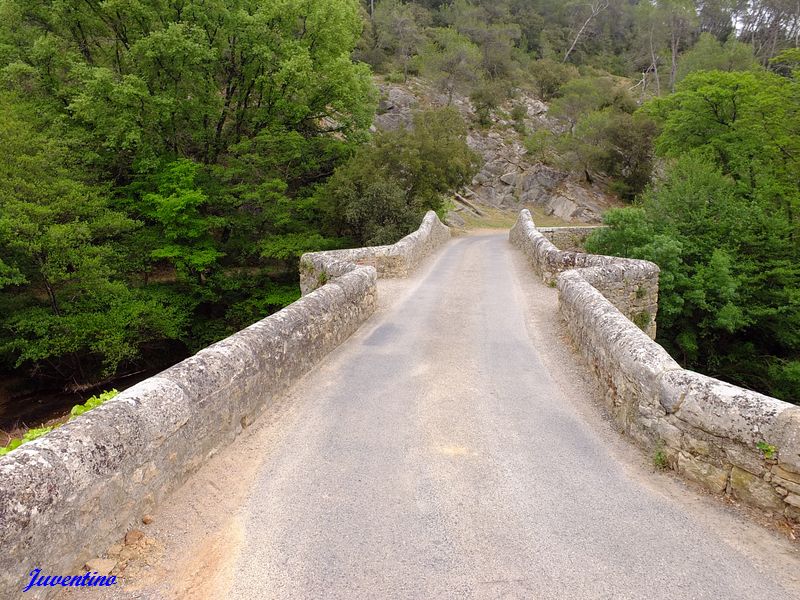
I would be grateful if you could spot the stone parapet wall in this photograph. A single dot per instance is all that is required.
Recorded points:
(397, 260)
(67, 496)
(630, 285)
(568, 238)
(731, 440)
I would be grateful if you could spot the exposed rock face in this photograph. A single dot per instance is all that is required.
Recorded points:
(728, 439)
(509, 179)
(395, 109)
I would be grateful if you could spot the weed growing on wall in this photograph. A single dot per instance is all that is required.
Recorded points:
(768, 450)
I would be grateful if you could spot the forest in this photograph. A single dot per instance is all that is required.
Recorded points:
(165, 163)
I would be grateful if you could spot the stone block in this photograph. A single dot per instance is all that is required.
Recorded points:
(789, 486)
(723, 409)
(745, 458)
(754, 490)
(671, 435)
(793, 499)
(780, 471)
(710, 476)
(786, 437)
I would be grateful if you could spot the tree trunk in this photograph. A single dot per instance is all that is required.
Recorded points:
(674, 44)
(654, 61)
(597, 8)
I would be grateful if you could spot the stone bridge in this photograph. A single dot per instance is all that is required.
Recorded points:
(455, 446)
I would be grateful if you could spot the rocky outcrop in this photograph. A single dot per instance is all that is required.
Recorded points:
(67, 496)
(396, 108)
(731, 440)
(509, 179)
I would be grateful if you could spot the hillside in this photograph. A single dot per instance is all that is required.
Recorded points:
(509, 178)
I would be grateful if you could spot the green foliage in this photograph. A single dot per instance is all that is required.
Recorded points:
(660, 460)
(65, 306)
(159, 171)
(768, 450)
(518, 114)
(451, 61)
(584, 95)
(92, 402)
(787, 63)
(605, 137)
(383, 192)
(165, 165)
(541, 144)
(549, 76)
(184, 232)
(398, 32)
(642, 320)
(29, 436)
(708, 54)
(659, 42)
(76, 411)
(486, 97)
(728, 302)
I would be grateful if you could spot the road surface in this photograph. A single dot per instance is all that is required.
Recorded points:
(440, 453)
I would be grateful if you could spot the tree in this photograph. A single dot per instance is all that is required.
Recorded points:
(399, 31)
(727, 295)
(708, 54)
(787, 63)
(680, 17)
(595, 8)
(66, 309)
(549, 76)
(723, 225)
(716, 17)
(202, 132)
(384, 191)
(770, 26)
(488, 26)
(618, 145)
(652, 34)
(581, 96)
(747, 123)
(451, 61)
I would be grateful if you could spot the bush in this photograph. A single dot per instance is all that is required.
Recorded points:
(486, 97)
(518, 114)
(549, 76)
(382, 193)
